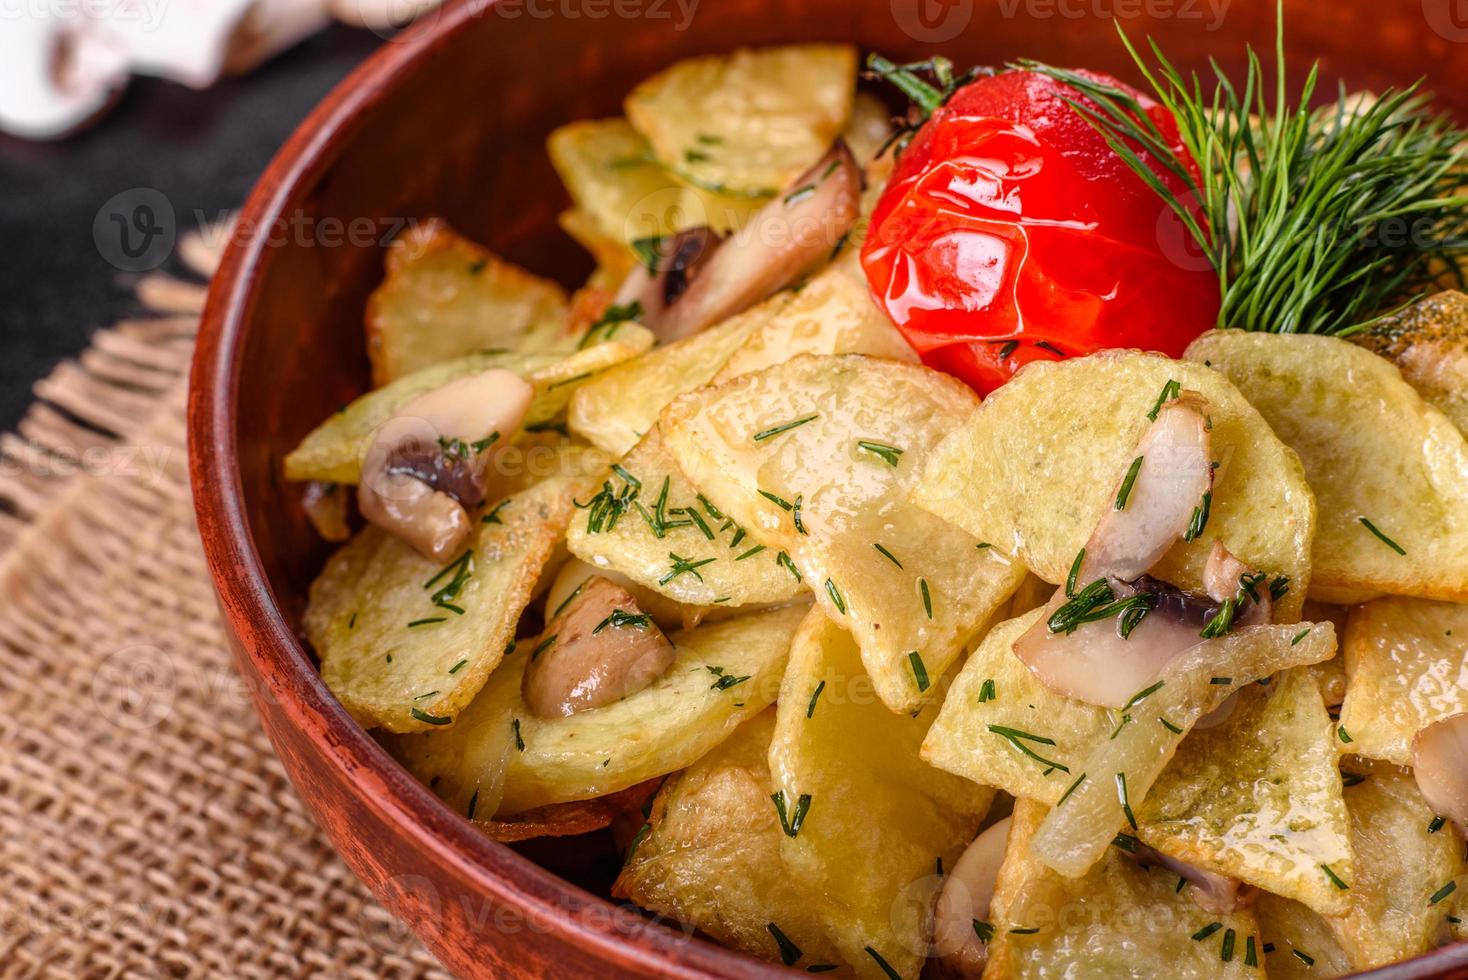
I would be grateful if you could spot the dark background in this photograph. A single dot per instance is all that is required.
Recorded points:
(202, 150)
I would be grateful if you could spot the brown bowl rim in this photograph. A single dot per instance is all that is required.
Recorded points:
(285, 668)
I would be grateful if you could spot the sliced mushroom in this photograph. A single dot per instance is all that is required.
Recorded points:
(1212, 892)
(963, 905)
(428, 463)
(326, 506)
(674, 263)
(1167, 488)
(1100, 665)
(1440, 763)
(575, 574)
(698, 285)
(1226, 577)
(1112, 636)
(601, 648)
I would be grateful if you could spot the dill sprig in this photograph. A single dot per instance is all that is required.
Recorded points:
(1315, 221)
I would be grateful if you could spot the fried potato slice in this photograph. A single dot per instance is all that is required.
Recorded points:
(657, 536)
(444, 297)
(1389, 471)
(994, 702)
(1406, 668)
(616, 182)
(1399, 901)
(749, 122)
(848, 775)
(1300, 944)
(1120, 772)
(830, 314)
(1258, 797)
(332, 452)
(616, 410)
(1119, 920)
(1037, 465)
(614, 258)
(1428, 342)
(816, 458)
(869, 129)
(724, 673)
(394, 654)
(709, 857)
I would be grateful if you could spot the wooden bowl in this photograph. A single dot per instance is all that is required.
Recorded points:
(450, 120)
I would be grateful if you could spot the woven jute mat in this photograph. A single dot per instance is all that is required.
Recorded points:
(146, 830)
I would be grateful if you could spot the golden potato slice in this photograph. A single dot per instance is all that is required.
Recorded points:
(1120, 920)
(614, 259)
(749, 122)
(1406, 668)
(444, 297)
(709, 857)
(830, 314)
(617, 409)
(332, 451)
(385, 621)
(1037, 465)
(816, 457)
(1258, 797)
(1406, 873)
(1001, 726)
(611, 174)
(464, 763)
(724, 673)
(1298, 943)
(1119, 773)
(847, 773)
(1330, 675)
(654, 536)
(869, 129)
(1389, 471)
(1428, 341)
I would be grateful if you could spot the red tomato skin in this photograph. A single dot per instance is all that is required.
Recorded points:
(1009, 227)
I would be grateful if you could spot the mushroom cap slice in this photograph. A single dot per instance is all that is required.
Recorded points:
(963, 904)
(1440, 764)
(600, 649)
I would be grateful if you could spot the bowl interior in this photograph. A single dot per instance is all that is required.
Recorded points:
(452, 122)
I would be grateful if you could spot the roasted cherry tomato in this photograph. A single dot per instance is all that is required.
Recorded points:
(1010, 232)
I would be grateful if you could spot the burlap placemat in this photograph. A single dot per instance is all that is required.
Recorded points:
(146, 829)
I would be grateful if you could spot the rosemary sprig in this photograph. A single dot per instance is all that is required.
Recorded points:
(1315, 221)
